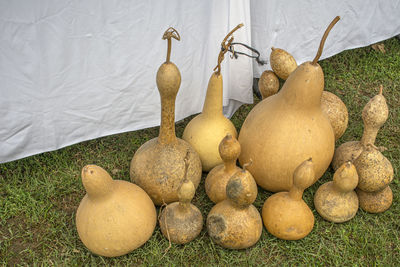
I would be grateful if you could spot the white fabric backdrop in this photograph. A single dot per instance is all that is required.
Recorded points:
(76, 70)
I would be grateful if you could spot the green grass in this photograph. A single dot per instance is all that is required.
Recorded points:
(40, 194)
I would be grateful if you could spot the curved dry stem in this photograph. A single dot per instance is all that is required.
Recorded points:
(168, 34)
(247, 164)
(225, 47)
(381, 89)
(321, 44)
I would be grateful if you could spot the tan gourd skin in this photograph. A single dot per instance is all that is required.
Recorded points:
(158, 165)
(205, 131)
(285, 214)
(374, 115)
(282, 63)
(337, 113)
(115, 216)
(181, 222)
(218, 177)
(235, 223)
(268, 84)
(336, 201)
(285, 128)
(375, 202)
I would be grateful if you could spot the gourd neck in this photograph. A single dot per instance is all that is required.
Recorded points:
(213, 102)
(167, 127)
(369, 135)
(230, 166)
(296, 193)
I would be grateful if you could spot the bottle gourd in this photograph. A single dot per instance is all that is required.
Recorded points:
(284, 129)
(115, 216)
(205, 131)
(158, 165)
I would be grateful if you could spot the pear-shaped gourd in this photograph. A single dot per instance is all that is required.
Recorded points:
(218, 177)
(205, 131)
(282, 63)
(181, 222)
(336, 201)
(285, 214)
(115, 216)
(158, 165)
(374, 115)
(235, 223)
(284, 129)
(336, 111)
(375, 202)
(268, 84)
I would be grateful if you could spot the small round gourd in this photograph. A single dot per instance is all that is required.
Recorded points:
(235, 223)
(375, 202)
(374, 170)
(115, 216)
(336, 201)
(282, 63)
(285, 214)
(218, 177)
(268, 84)
(374, 115)
(336, 111)
(181, 222)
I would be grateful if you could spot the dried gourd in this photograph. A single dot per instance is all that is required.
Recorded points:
(268, 84)
(115, 216)
(336, 110)
(375, 202)
(282, 63)
(158, 166)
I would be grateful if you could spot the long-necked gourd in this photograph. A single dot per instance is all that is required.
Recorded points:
(218, 177)
(115, 216)
(284, 129)
(235, 223)
(285, 214)
(374, 115)
(181, 222)
(205, 131)
(336, 201)
(158, 166)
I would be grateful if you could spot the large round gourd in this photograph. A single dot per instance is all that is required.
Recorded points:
(158, 166)
(284, 129)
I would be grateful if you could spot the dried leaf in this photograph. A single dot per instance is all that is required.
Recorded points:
(379, 47)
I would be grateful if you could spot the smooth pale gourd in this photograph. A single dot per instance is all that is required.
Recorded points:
(218, 177)
(181, 222)
(115, 216)
(282, 63)
(336, 201)
(285, 214)
(337, 113)
(205, 131)
(235, 223)
(375, 202)
(268, 84)
(158, 166)
(284, 129)
(374, 115)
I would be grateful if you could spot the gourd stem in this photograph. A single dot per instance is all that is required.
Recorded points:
(321, 45)
(167, 127)
(246, 165)
(168, 50)
(168, 34)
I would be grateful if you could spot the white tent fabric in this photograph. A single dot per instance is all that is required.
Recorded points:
(76, 70)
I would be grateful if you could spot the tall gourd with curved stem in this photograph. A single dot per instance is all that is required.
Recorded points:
(158, 166)
(289, 127)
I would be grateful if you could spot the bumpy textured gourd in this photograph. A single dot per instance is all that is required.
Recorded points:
(288, 127)
(337, 113)
(374, 115)
(158, 166)
(115, 216)
(282, 63)
(235, 223)
(375, 202)
(268, 84)
(336, 201)
(205, 131)
(181, 222)
(218, 177)
(285, 214)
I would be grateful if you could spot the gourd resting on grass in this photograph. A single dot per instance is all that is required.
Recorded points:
(284, 129)
(374, 115)
(115, 216)
(218, 177)
(268, 84)
(181, 222)
(285, 214)
(158, 166)
(235, 223)
(375, 202)
(336, 201)
(205, 131)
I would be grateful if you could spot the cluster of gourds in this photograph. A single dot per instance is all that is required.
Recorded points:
(285, 145)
